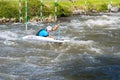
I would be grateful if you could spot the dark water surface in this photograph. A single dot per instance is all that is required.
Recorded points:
(92, 54)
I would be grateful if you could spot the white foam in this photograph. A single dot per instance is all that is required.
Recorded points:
(88, 45)
(10, 58)
(99, 22)
(105, 17)
(118, 53)
(96, 50)
(82, 42)
(8, 76)
(8, 35)
(77, 25)
(7, 42)
(33, 23)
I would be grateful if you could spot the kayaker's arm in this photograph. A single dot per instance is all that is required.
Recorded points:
(55, 27)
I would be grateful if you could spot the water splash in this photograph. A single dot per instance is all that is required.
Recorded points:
(8, 35)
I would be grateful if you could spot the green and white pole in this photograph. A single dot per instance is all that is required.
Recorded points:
(110, 1)
(110, 5)
(56, 4)
(20, 13)
(41, 10)
(85, 5)
(26, 14)
(73, 1)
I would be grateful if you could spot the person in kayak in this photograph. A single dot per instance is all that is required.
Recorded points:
(45, 32)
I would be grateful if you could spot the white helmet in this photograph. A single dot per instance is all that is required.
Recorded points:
(49, 28)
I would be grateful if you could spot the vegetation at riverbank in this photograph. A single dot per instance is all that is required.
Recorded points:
(10, 8)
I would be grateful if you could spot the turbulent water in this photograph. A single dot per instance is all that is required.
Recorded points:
(93, 52)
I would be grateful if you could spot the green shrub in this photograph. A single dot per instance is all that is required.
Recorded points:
(102, 7)
(8, 10)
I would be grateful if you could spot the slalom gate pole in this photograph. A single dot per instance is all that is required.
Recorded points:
(56, 4)
(41, 10)
(85, 5)
(110, 1)
(26, 14)
(20, 13)
(110, 5)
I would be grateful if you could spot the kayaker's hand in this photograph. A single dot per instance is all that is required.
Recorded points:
(49, 36)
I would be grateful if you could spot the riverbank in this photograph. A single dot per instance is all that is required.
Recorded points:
(9, 10)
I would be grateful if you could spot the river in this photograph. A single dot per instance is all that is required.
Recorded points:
(93, 52)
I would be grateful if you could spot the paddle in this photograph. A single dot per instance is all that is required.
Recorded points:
(58, 32)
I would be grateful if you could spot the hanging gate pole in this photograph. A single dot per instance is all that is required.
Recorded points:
(26, 14)
(41, 10)
(56, 4)
(85, 5)
(110, 1)
(20, 13)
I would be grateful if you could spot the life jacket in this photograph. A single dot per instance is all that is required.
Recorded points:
(39, 32)
(44, 34)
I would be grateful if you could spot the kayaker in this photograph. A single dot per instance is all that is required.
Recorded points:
(45, 31)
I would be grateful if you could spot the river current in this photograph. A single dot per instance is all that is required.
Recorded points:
(93, 52)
